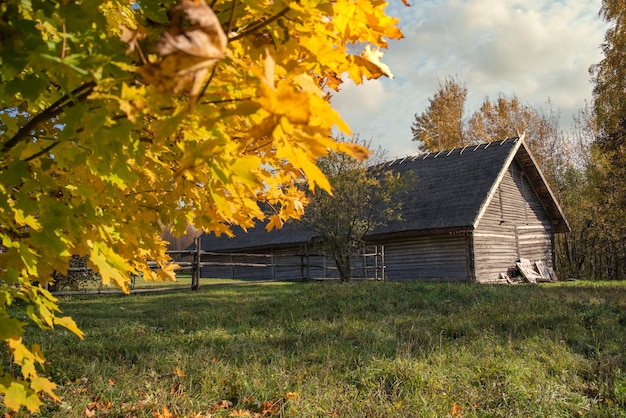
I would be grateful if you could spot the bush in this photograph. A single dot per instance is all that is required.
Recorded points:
(79, 276)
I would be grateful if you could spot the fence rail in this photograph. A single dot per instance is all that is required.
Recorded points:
(372, 264)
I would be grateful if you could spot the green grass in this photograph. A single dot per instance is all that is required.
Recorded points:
(361, 350)
(183, 281)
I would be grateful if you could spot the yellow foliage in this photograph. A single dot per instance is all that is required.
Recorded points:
(112, 127)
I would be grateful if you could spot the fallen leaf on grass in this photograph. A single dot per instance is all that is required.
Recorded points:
(269, 408)
(457, 410)
(239, 413)
(97, 407)
(292, 395)
(223, 404)
(164, 413)
(175, 389)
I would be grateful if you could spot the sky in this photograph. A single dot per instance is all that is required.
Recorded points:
(539, 50)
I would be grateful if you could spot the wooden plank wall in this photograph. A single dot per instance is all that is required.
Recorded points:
(515, 225)
(286, 264)
(437, 257)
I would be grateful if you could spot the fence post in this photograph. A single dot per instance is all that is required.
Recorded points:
(195, 277)
(382, 263)
(364, 252)
(376, 253)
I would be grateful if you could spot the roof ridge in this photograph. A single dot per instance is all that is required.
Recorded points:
(426, 154)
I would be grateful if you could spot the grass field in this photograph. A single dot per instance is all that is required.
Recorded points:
(183, 281)
(333, 350)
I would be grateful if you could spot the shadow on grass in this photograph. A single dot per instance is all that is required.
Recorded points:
(376, 340)
(589, 319)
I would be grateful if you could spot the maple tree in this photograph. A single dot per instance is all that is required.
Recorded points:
(120, 116)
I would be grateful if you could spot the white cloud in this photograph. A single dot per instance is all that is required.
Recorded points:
(536, 49)
(368, 96)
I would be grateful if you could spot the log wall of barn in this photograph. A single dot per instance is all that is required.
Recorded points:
(295, 263)
(435, 257)
(285, 264)
(514, 225)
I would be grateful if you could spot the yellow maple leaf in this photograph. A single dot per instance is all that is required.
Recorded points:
(285, 101)
(110, 265)
(18, 394)
(42, 384)
(374, 65)
(69, 323)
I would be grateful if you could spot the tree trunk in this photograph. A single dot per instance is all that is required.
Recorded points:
(343, 262)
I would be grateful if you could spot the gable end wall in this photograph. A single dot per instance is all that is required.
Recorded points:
(515, 225)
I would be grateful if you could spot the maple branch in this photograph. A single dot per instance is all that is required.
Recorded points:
(232, 17)
(227, 100)
(259, 25)
(42, 152)
(228, 29)
(248, 150)
(208, 81)
(77, 95)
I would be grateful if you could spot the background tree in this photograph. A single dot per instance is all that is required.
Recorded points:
(441, 125)
(118, 117)
(508, 117)
(362, 199)
(608, 168)
(499, 119)
(575, 250)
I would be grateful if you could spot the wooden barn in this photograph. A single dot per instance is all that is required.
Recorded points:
(469, 215)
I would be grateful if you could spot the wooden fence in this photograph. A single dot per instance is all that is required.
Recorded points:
(302, 265)
(369, 264)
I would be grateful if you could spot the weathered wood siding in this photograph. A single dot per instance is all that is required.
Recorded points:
(514, 226)
(284, 265)
(436, 257)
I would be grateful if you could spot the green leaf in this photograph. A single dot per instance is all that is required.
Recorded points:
(153, 12)
(10, 327)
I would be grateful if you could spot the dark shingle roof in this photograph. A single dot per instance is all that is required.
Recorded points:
(447, 192)
(291, 233)
(449, 187)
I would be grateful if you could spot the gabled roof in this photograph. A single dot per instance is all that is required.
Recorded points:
(453, 188)
(449, 187)
(292, 233)
(449, 191)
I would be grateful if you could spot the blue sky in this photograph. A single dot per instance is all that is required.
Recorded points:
(536, 49)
